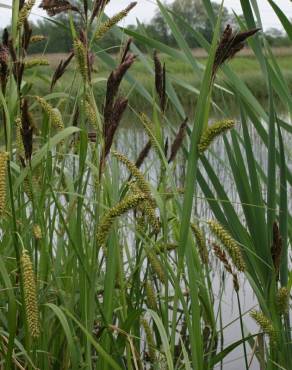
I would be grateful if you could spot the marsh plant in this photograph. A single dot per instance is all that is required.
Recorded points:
(105, 265)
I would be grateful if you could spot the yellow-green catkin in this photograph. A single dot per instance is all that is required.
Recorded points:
(229, 243)
(53, 113)
(19, 142)
(37, 232)
(148, 210)
(150, 340)
(282, 300)
(156, 266)
(24, 12)
(81, 55)
(213, 131)
(91, 113)
(135, 172)
(3, 176)
(30, 295)
(265, 324)
(128, 203)
(35, 62)
(108, 24)
(37, 38)
(200, 242)
(150, 296)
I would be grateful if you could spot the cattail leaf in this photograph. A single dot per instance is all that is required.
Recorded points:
(107, 357)
(283, 211)
(164, 338)
(282, 17)
(69, 333)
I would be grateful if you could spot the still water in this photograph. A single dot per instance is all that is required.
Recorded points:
(130, 142)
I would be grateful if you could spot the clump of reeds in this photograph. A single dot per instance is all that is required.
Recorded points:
(212, 132)
(126, 204)
(30, 295)
(265, 324)
(3, 176)
(108, 24)
(229, 243)
(229, 45)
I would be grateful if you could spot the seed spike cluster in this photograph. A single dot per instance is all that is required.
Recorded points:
(35, 63)
(3, 175)
(53, 113)
(125, 205)
(107, 25)
(229, 243)
(150, 295)
(91, 113)
(37, 232)
(220, 254)
(30, 295)
(24, 12)
(212, 132)
(265, 324)
(200, 242)
(19, 143)
(137, 174)
(282, 300)
(37, 38)
(156, 266)
(81, 56)
(150, 341)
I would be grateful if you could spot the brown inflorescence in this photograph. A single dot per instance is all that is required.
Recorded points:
(229, 45)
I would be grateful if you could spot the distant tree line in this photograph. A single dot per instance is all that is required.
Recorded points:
(58, 37)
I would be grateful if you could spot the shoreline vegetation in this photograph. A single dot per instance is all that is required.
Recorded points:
(245, 65)
(125, 254)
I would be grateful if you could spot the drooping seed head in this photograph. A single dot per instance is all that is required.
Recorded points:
(229, 243)
(212, 132)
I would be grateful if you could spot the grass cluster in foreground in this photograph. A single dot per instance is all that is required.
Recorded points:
(105, 262)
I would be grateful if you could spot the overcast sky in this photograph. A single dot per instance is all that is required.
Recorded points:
(146, 8)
